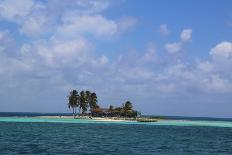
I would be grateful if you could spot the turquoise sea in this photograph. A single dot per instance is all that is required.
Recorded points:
(31, 135)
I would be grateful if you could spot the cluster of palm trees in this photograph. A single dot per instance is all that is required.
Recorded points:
(84, 101)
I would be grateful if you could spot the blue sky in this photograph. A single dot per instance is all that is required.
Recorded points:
(167, 57)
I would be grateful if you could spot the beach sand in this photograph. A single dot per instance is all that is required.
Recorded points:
(102, 119)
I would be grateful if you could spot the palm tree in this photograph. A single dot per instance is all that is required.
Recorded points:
(93, 102)
(88, 97)
(77, 103)
(83, 102)
(127, 108)
(73, 101)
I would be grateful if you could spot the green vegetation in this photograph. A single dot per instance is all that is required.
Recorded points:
(126, 110)
(87, 103)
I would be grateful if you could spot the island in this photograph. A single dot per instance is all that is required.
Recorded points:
(84, 105)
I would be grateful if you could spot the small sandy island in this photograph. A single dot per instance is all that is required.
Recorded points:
(102, 119)
(105, 119)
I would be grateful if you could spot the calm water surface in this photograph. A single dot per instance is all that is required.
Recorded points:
(109, 138)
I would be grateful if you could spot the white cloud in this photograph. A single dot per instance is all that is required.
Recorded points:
(35, 26)
(61, 53)
(10, 65)
(163, 29)
(15, 10)
(64, 19)
(70, 18)
(202, 79)
(186, 35)
(222, 50)
(205, 67)
(217, 84)
(175, 47)
(94, 24)
(93, 6)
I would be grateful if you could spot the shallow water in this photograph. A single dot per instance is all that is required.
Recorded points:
(165, 122)
(68, 136)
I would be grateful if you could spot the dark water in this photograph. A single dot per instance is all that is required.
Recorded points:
(68, 138)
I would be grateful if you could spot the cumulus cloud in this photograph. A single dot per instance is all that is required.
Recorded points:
(222, 58)
(175, 47)
(208, 77)
(37, 18)
(50, 56)
(65, 57)
(222, 50)
(60, 52)
(87, 25)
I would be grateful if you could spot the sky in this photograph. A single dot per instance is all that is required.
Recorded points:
(167, 57)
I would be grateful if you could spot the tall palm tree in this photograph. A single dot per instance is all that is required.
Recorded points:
(93, 102)
(88, 97)
(73, 101)
(77, 103)
(83, 102)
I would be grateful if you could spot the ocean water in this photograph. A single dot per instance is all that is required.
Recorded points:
(68, 136)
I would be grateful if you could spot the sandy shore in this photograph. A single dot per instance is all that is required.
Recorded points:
(103, 119)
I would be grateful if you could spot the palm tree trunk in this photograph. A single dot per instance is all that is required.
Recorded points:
(73, 113)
